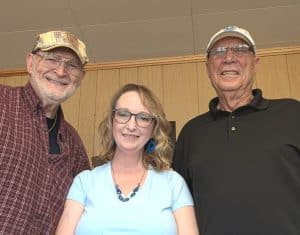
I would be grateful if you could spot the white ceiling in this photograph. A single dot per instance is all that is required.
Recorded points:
(137, 29)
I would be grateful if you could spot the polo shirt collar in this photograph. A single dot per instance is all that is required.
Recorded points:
(257, 103)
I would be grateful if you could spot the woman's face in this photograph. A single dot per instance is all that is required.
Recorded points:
(132, 135)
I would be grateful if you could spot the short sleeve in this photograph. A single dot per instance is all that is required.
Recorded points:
(181, 194)
(79, 188)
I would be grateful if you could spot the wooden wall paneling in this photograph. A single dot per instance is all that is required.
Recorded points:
(180, 92)
(108, 82)
(14, 81)
(87, 106)
(255, 82)
(22, 80)
(17, 80)
(71, 108)
(272, 77)
(293, 63)
(205, 90)
(11, 81)
(152, 77)
(2, 80)
(255, 77)
(128, 75)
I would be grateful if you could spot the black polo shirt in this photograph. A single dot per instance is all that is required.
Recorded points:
(243, 167)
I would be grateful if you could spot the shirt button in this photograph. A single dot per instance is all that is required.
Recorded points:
(232, 116)
(233, 128)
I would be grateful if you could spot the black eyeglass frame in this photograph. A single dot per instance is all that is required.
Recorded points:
(153, 118)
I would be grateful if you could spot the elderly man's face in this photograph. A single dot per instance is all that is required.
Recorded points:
(55, 75)
(234, 70)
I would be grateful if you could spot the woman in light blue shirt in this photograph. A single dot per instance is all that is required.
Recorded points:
(134, 191)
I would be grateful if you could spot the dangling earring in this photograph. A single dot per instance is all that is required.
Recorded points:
(150, 146)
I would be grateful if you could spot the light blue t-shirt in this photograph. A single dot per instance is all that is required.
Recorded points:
(149, 212)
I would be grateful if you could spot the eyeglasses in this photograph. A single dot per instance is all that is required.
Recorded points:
(238, 50)
(53, 61)
(142, 119)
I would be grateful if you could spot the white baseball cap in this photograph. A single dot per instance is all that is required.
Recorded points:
(231, 31)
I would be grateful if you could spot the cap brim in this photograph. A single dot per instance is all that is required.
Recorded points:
(228, 34)
(82, 60)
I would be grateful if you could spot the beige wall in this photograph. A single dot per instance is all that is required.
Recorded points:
(181, 84)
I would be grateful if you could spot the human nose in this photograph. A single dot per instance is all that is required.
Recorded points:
(229, 54)
(131, 122)
(61, 68)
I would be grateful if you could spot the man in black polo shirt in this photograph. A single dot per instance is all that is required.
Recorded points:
(241, 159)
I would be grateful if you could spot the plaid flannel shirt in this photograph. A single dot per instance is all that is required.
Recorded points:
(33, 183)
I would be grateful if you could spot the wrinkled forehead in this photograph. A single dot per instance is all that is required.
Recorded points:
(228, 42)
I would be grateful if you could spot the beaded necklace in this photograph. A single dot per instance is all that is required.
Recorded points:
(122, 197)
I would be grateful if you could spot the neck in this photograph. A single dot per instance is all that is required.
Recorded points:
(230, 101)
(128, 175)
(50, 110)
(123, 160)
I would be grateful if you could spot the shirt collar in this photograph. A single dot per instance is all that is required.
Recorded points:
(257, 103)
(32, 98)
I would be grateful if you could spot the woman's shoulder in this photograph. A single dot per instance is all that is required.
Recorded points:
(173, 187)
(170, 175)
(95, 172)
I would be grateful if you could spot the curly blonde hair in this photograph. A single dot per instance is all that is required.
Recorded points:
(160, 159)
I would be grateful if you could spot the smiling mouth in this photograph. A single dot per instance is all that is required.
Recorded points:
(61, 83)
(130, 136)
(231, 72)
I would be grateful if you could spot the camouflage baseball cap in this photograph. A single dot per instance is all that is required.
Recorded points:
(53, 39)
